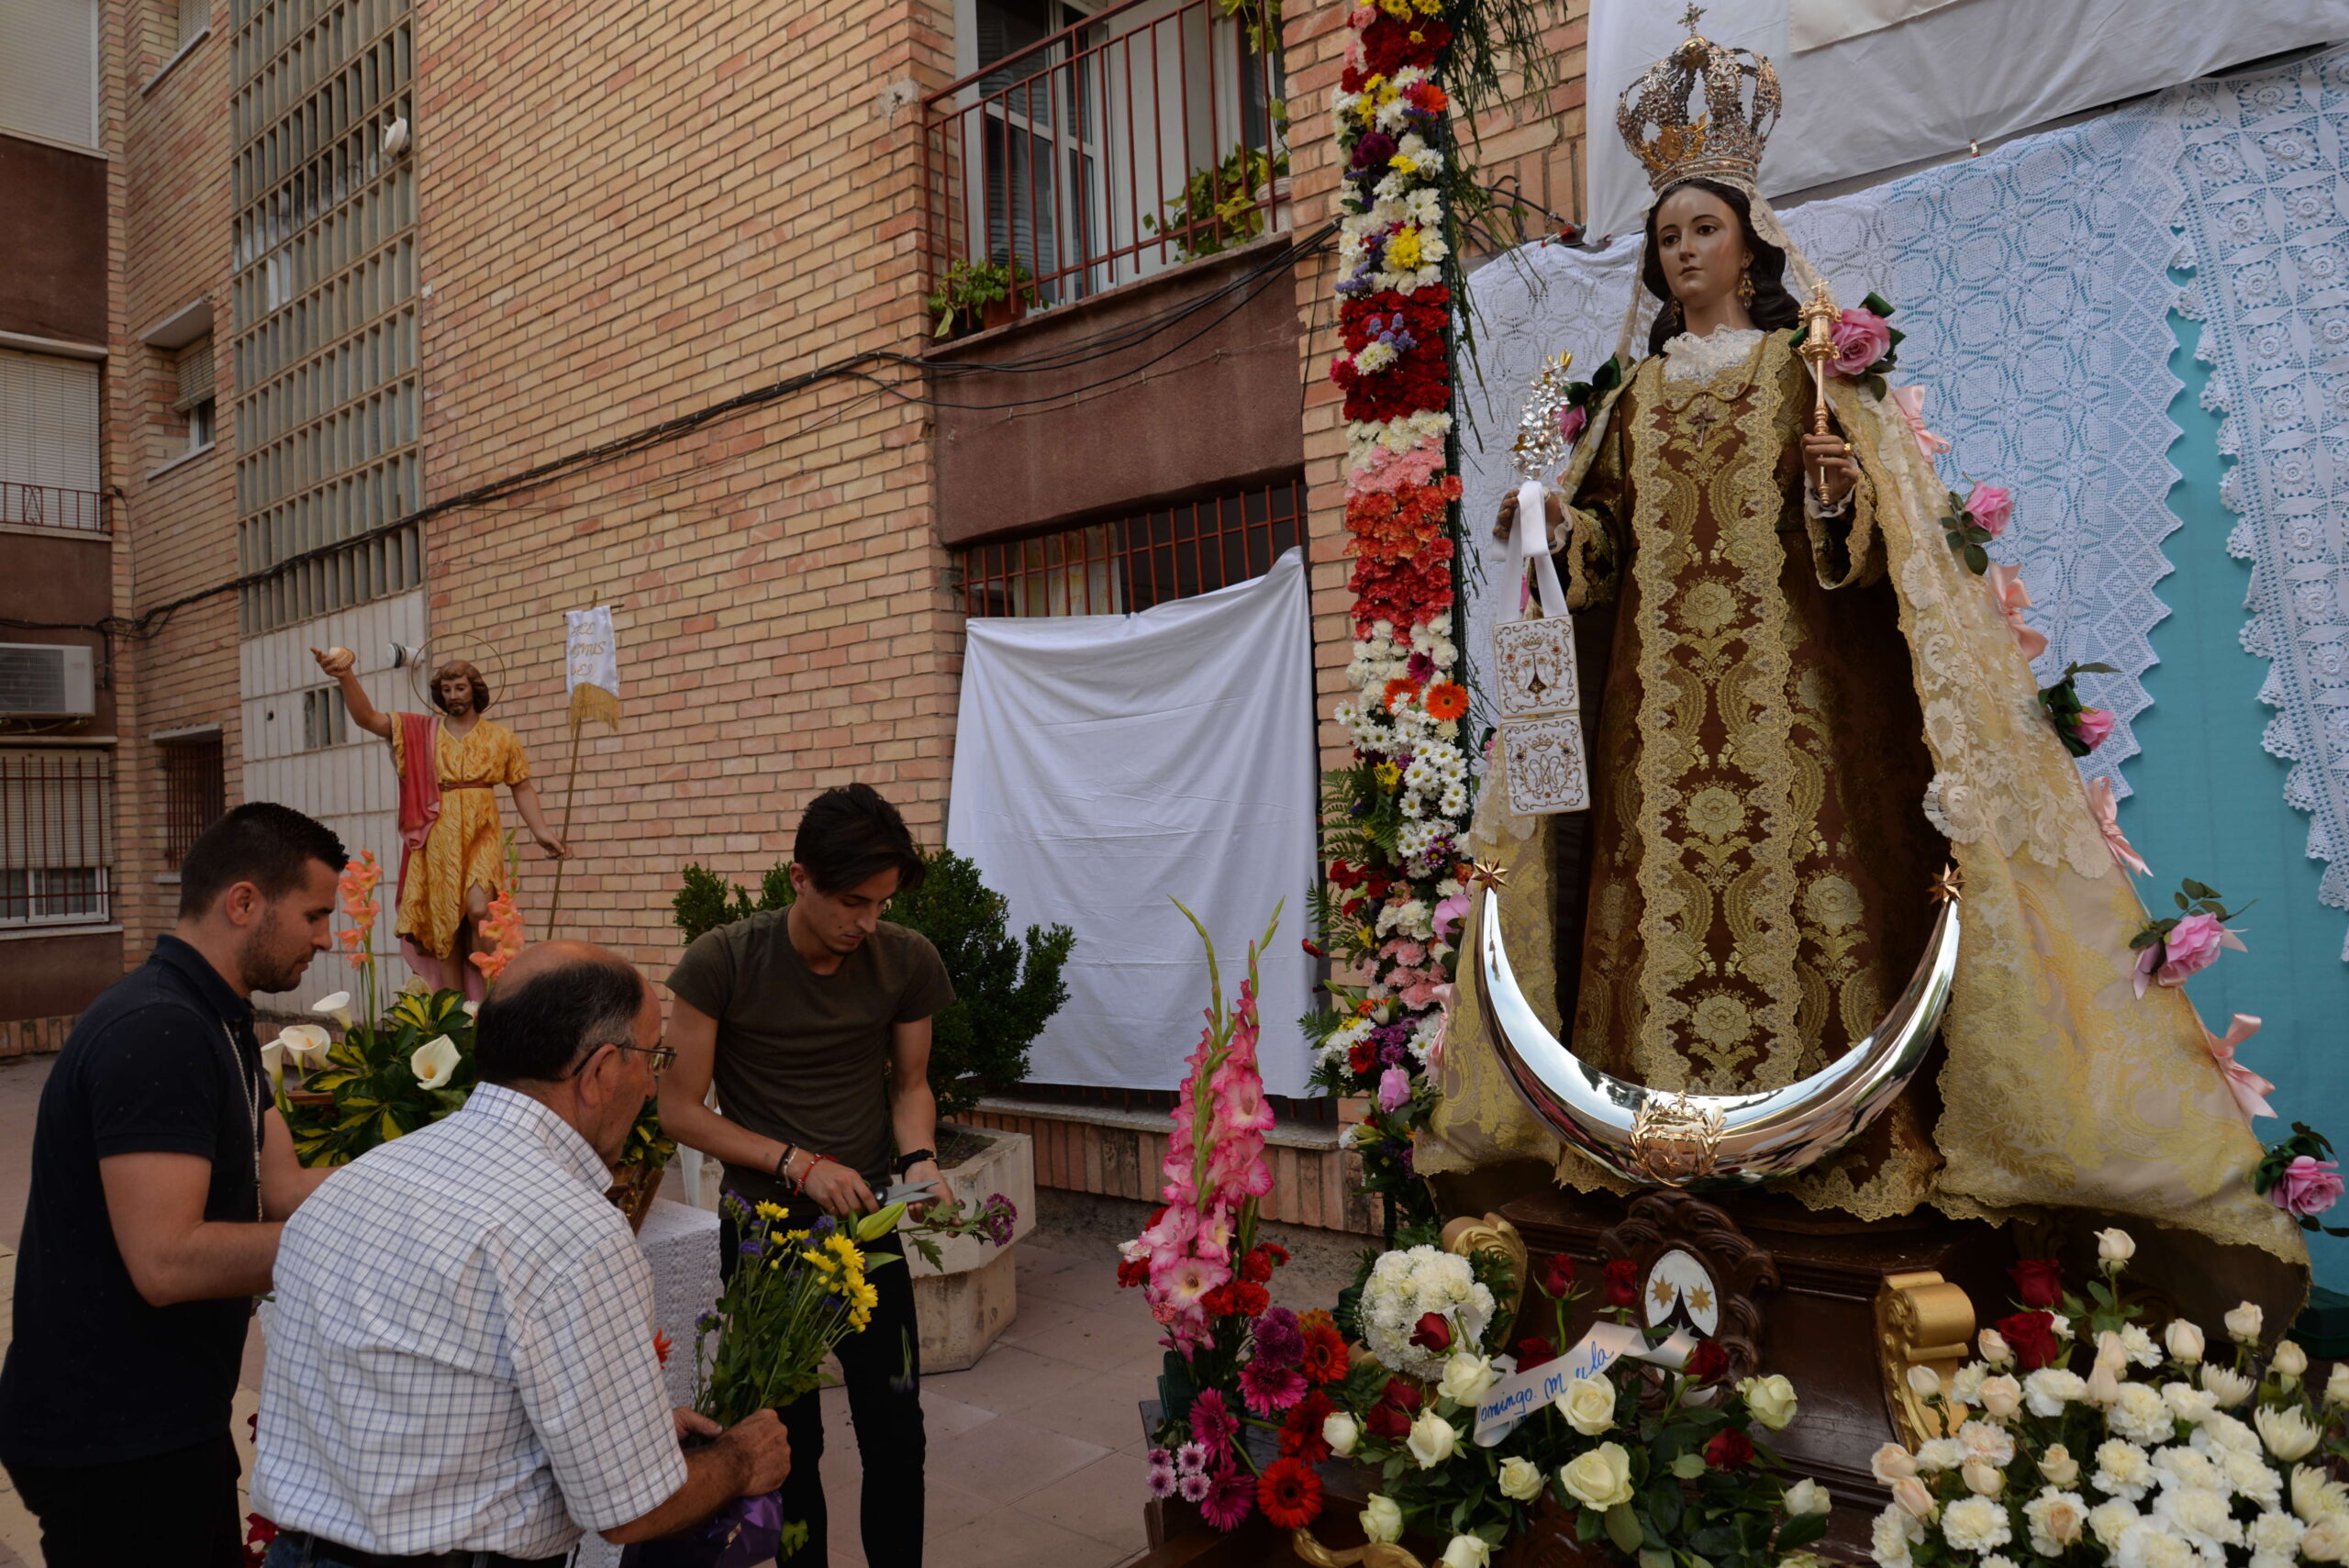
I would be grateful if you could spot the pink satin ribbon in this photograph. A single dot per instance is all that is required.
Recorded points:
(2250, 1090)
(2108, 822)
(1910, 401)
(1443, 995)
(2011, 598)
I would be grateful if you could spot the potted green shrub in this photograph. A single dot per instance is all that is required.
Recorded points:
(975, 296)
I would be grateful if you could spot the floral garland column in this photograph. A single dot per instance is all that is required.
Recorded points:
(1397, 817)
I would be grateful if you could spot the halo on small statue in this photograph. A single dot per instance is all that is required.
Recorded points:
(420, 659)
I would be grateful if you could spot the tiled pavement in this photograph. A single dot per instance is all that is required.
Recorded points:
(1035, 1454)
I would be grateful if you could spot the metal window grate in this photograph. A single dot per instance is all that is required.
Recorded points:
(194, 792)
(1131, 564)
(56, 837)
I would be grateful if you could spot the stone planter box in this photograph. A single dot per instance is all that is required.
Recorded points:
(969, 1298)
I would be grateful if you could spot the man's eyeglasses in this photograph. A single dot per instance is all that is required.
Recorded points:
(663, 1055)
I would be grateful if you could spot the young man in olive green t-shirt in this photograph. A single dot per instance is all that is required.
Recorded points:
(813, 1023)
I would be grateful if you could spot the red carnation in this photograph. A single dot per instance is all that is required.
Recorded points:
(1729, 1448)
(1558, 1277)
(1622, 1283)
(2032, 1336)
(1132, 1272)
(1533, 1350)
(1363, 1057)
(2039, 1281)
(1249, 1299)
(1433, 1335)
(1256, 1266)
(1707, 1363)
(1289, 1493)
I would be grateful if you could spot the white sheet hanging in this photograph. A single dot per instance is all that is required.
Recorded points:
(1104, 764)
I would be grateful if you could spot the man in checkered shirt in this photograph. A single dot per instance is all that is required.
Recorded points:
(461, 1356)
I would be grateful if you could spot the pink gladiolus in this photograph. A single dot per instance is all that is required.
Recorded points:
(2092, 726)
(1393, 1089)
(1861, 337)
(1990, 507)
(2192, 946)
(2307, 1186)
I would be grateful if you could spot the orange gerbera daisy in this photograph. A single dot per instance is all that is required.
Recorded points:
(1446, 699)
(1399, 690)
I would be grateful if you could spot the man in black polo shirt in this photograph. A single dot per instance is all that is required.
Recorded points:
(160, 1174)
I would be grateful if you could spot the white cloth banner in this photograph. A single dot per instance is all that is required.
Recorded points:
(1921, 88)
(1105, 765)
(590, 653)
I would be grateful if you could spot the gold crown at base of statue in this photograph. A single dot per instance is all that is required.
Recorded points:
(1721, 141)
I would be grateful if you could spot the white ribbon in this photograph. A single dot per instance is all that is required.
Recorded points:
(1533, 503)
(1518, 1395)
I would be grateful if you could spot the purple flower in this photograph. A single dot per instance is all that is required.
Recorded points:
(1372, 152)
(1279, 1342)
(706, 1324)
(1229, 1498)
(1212, 1421)
(1191, 1458)
(750, 1249)
(1420, 667)
(1194, 1486)
(1162, 1478)
(1270, 1390)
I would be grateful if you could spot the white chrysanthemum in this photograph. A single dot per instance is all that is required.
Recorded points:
(1344, 1038)
(2275, 1534)
(2289, 1435)
(2315, 1497)
(1975, 1524)
(2248, 1478)
(2121, 1470)
(2049, 1389)
(1980, 1440)
(1891, 1536)
(2232, 1387)
(2223, 1433)
(2141, 1414)
(2056, 1519)
(1403, 1286)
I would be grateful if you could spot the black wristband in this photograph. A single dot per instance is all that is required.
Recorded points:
(911, 1158)
(784, 1160)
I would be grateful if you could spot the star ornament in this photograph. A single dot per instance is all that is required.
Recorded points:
(1948, 887)
(1490, 874)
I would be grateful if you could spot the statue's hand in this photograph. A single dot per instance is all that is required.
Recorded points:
(1835, 473)
(1505, 523)
(554, 848)
(335, 661)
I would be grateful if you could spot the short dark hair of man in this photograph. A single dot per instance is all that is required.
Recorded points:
(849, 835)
(537, 1032)
(261, 842)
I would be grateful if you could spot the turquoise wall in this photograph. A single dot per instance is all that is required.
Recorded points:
(2209, 803)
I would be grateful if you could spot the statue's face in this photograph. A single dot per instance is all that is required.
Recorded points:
(1702, 247)
(456, 696)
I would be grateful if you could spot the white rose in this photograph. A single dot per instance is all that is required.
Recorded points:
(2058, 1465)
(1432, 1439)
(1520, 1479)
(2114, 1248)
(2110, 1521)
(433, 1062)
(2245, 1322)
(1807, 1497)
(2231, 1387)
(1892, 1462)
(1588, 1405)
(1982, 1478)
(1924, 1383)
(2184, 1341)
(1994, 1347)
(1975, 1524)
(1466, 1552)
(1341, 1432)
(2056, 1519)
(1382, 1519)
(1771, 1400)
(2289, 1434)
(1911, 1494)
(1465, 1378)
(1600, 1478)
(1891, 1535)
(2336, 1387)
(2002, 1397)
(2290, 1359)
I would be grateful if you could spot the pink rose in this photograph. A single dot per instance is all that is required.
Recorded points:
(2191, 946)
(1991, 508)
(1861, 337)
(1394, 1088)
(1572, 423)
(2307, 1186)
(2092, 726)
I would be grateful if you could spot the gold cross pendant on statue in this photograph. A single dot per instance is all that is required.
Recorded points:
(1704, 417)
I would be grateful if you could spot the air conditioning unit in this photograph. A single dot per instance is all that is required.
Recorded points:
(44, 680)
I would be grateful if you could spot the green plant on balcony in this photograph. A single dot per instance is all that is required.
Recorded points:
(967, 298)
(1221, 206)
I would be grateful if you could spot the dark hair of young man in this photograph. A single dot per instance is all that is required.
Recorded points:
(849, 835)
(261, 842)
(538, 1032)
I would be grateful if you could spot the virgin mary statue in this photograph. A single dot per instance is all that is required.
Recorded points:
(1806, 706)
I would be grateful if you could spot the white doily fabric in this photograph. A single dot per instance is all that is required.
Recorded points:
(2265, 167)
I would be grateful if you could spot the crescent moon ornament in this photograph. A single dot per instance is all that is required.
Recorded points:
(1657, 1139)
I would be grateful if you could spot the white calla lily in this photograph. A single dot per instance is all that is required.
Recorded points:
(337, 1006)
(433, 1062)
(472, 1009)
(305, 1044)
(273, 1059)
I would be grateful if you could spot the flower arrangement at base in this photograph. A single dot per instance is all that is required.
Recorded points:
(1662, 1463)
(2079, 1436)
(1233, 1359)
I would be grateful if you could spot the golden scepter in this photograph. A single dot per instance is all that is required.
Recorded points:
(1818, 347)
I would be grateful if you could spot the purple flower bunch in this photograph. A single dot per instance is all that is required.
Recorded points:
(1183, 1471)
(1392, 332)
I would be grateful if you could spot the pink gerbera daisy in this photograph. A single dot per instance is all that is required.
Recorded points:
(1229, 1498)
(1212, 1422)
(1269, 1389)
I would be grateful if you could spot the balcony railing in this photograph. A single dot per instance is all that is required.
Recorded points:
(1143, 136)
(51, 506)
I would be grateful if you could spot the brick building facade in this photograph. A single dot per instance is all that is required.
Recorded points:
(633, 311)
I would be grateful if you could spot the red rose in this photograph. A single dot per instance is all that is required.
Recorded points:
(1729, 1448)
(1622, 1283)
(1390, 1419)
(1558, 1277)
(1399, 1392)
(1707, 1363)
(2032, 1336)
(1533, 1350)
(2039, 1281)
(1289, 1493)
(1433, 1335)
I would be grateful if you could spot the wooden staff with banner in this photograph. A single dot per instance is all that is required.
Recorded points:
(591, 670)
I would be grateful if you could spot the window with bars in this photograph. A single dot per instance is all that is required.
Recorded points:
(56, 837)
(324, 718)
(327, 397)
(192, 379)
(1131, 563)
(194, 791)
